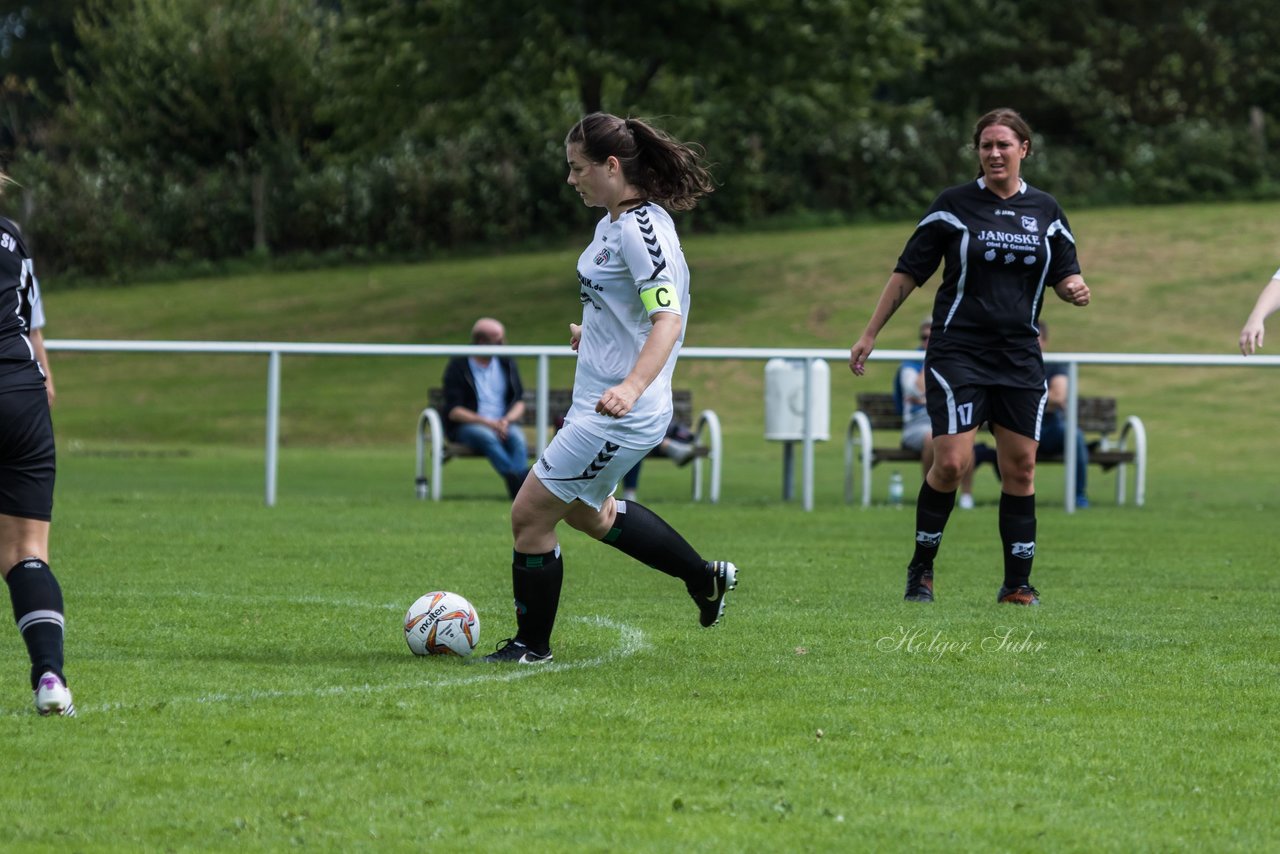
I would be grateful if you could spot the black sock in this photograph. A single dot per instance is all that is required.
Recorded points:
(1018, 534)
(639, 532)
(933, 509)
(37, 608)
(535, 581)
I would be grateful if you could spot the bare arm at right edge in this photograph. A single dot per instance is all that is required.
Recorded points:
(895, 293)
(1254, 328)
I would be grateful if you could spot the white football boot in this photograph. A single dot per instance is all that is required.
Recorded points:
(53, 697)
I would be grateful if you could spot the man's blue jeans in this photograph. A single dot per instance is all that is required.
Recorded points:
(507, 458)
(1053, 434)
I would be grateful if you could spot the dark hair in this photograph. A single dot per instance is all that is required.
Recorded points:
(1007, 117)
(668, 171)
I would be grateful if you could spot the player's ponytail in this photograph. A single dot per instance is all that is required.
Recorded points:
(668, 171)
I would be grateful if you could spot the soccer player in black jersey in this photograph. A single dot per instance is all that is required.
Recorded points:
(1004, 243)
(26, 479)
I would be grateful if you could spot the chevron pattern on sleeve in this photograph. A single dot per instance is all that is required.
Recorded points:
(651, 242)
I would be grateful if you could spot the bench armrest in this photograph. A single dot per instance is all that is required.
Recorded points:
(429, 424)
(861, 424)
(1133, 426)
(708, 426)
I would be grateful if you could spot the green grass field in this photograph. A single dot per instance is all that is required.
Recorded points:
(243, 681)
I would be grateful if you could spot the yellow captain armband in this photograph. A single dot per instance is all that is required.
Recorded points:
(661, 298)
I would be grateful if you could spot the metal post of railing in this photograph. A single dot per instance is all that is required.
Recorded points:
(1069, 440)
(543, 385)
(273, 423)
(808, 434)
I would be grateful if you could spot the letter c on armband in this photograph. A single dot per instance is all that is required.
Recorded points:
(663, 296)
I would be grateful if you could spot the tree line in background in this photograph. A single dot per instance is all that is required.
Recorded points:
(143, 133)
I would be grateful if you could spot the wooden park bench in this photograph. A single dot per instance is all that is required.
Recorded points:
(434, 449)
(1096, 416)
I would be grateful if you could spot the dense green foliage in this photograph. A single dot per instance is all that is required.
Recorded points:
(153, 132)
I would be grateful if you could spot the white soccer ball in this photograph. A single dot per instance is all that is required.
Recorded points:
(442, 623)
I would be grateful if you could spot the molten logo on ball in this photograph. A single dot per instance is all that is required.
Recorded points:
(442, 623)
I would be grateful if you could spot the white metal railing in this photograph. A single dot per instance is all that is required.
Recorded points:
(276, 350)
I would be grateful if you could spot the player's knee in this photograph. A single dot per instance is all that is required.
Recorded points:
(1019, 473)
(533, 539)
(594, 523)
(948, 468)
(526, 522)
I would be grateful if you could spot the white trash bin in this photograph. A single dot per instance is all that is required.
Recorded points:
(784, 409)
(784, 400)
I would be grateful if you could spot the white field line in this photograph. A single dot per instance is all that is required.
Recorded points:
(631, 640)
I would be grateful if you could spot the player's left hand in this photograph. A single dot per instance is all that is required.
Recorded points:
(1074, 291)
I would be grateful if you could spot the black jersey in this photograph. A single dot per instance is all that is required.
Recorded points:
(18, 293)
(1001, 255)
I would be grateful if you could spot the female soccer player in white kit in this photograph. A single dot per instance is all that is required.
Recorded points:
(634, 289)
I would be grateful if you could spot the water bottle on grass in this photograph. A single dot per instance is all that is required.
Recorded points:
(895, 489)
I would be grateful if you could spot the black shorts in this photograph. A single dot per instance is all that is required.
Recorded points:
(959, 401)
(27, 462)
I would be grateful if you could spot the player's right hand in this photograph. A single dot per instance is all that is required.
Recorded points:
(1251, 338)
(575, 335)
(858, 354)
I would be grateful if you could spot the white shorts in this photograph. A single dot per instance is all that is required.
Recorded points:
(578, 465)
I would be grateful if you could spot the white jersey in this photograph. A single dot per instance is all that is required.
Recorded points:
(634, 268)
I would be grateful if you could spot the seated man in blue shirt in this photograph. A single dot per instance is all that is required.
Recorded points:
(483, 405)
